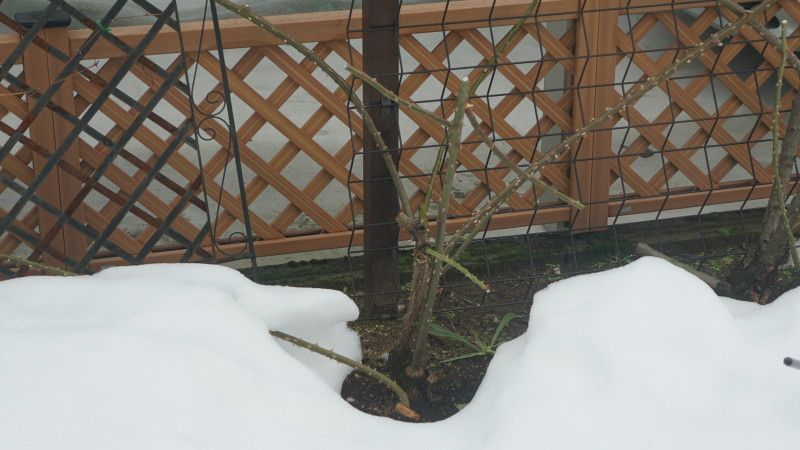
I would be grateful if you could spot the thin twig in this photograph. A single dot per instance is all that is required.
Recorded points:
(245, 12)
(456, 265)
(461, 239)
(756, 24)
(437, 166)
(514, 168)
(366, 370)
(501, 47)
(37, 266)
(436, 268)
(712, 281)
(777, 179)
(372, 82)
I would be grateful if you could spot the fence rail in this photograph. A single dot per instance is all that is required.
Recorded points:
(701, 139)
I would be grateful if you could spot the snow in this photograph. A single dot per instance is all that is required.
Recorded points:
(178, 357)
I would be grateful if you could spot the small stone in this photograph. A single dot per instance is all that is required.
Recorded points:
(350, 400)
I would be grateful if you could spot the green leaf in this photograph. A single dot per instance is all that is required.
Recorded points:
(501, 326)
(456, 265)
(464, 356)
(442, 332)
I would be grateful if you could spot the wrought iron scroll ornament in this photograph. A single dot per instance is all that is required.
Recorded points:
(221, 110)
(93, 177)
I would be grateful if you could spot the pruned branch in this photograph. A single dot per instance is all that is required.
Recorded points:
(502, 46)
(37, 266)
(473, 120)
(366, 370)
(408, 104)
(467, 232)
(777, 184)
(712, 281)
(245, 12)
(759, 27)
(456, 265)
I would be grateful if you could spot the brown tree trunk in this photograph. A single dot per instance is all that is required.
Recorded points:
(401, 354)
(754, 276)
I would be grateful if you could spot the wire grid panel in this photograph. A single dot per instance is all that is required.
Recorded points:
(301, 143)
(89, 162)
(704, 137)
(697, 140)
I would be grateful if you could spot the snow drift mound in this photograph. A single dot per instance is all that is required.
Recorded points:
(177, 357)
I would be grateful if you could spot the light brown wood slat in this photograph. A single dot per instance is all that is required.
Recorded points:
(678, 157)
(147, 137)
(11, 242)
(38, 77)
(661, 122)
(410, 85)
(479, 107)
(316, 186)
(731, 81)
(690, 106)
(281, 184)
(17, 169)
(12, 102)
(189, 170)
(118, 237)
(321, 180)
(518, 79)
(305, 79)
(285, 155)
(271, 113)
(230, 203)
(332, 25)
(556, 174)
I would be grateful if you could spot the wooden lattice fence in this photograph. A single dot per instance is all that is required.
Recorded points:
(701, 139)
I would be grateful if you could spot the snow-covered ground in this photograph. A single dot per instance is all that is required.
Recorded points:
(178, 357)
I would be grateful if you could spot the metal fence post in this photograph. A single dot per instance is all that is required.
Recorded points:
(380, 23)
(48, 129)
(595, 53)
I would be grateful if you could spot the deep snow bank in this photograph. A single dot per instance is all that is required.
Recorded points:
(177, 357)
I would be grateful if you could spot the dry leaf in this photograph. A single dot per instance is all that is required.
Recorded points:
(406, 412)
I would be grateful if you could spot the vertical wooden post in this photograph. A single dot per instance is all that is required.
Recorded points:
(381, 60)
(595, 71)
(49, 130)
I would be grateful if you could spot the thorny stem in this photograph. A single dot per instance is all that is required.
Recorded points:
(756, 24)
(514, 168)
(437, 166)
(501, 47)
(485, 71)
(37, 266)
(436, 267)
(372, 82)
(479, 218)
(456, 265)
(777, 180)
(245, 12)
(366, 370)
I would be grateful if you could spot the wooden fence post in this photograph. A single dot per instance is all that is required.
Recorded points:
(380, 23)
(595, 72)
(48, 129)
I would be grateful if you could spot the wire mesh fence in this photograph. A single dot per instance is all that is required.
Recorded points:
(686, 168)
(664, 171)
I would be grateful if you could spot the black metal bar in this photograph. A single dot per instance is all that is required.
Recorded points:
(16, 54)
(381, 59)
(134, 197)
(88, 114)
(234, 141)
